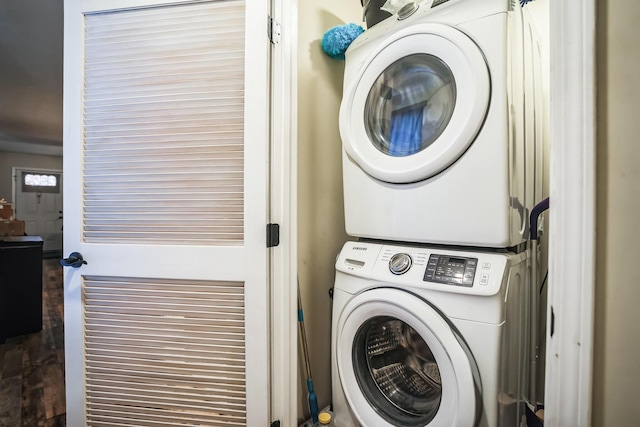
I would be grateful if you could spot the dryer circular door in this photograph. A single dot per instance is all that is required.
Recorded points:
(417, 105)
(401, 363)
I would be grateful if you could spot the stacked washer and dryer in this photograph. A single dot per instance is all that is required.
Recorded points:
(441, 164)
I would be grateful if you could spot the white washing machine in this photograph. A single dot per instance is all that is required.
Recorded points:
(429, 337)
(433, 126)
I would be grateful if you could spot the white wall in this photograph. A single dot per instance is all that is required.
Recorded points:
(320, 207)
(8, 160)
(617, 337)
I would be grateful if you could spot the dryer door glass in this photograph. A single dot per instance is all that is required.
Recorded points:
(410, 105)
(397, 372)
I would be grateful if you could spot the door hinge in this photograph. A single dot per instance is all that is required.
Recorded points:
(273, 235)
(275, 31)
(276, 423)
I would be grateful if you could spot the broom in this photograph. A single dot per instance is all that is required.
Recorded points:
(313, 400)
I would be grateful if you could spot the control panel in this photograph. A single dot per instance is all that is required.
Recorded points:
(451, 270)
(466, 272)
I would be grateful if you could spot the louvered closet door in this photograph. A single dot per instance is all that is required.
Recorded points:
(166, 194)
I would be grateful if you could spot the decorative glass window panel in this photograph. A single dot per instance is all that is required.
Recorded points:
(33, 182)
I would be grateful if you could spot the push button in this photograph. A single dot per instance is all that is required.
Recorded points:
(484, 279)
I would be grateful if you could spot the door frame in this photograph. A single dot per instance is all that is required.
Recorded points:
(570, 306)
(283, 211)
(569, 355)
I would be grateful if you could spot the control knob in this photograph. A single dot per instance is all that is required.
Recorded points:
(400, 263)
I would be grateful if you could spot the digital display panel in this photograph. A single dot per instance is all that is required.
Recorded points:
(451, 270)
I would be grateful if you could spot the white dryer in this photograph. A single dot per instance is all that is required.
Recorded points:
(432, 123)
(429, 337)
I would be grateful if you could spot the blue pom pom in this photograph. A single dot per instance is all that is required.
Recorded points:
(337, 39)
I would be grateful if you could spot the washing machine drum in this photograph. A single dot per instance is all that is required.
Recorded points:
(417, 105)
(401, 363)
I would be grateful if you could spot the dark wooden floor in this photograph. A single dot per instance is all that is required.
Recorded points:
(32, 392)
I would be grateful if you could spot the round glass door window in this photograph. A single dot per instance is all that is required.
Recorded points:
(396, 371)
(409, 105)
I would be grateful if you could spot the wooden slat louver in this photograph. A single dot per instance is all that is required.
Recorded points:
(164, 125)
(162, 353)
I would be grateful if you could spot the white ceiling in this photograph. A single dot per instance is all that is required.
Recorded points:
(31, 40)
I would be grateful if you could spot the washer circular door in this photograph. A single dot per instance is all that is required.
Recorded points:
(417, 105)
(401, 364)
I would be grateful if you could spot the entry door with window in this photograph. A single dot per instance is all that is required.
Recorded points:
(38, 202)
(166, 172)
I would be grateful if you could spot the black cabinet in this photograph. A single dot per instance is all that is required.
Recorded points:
(20, 285)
